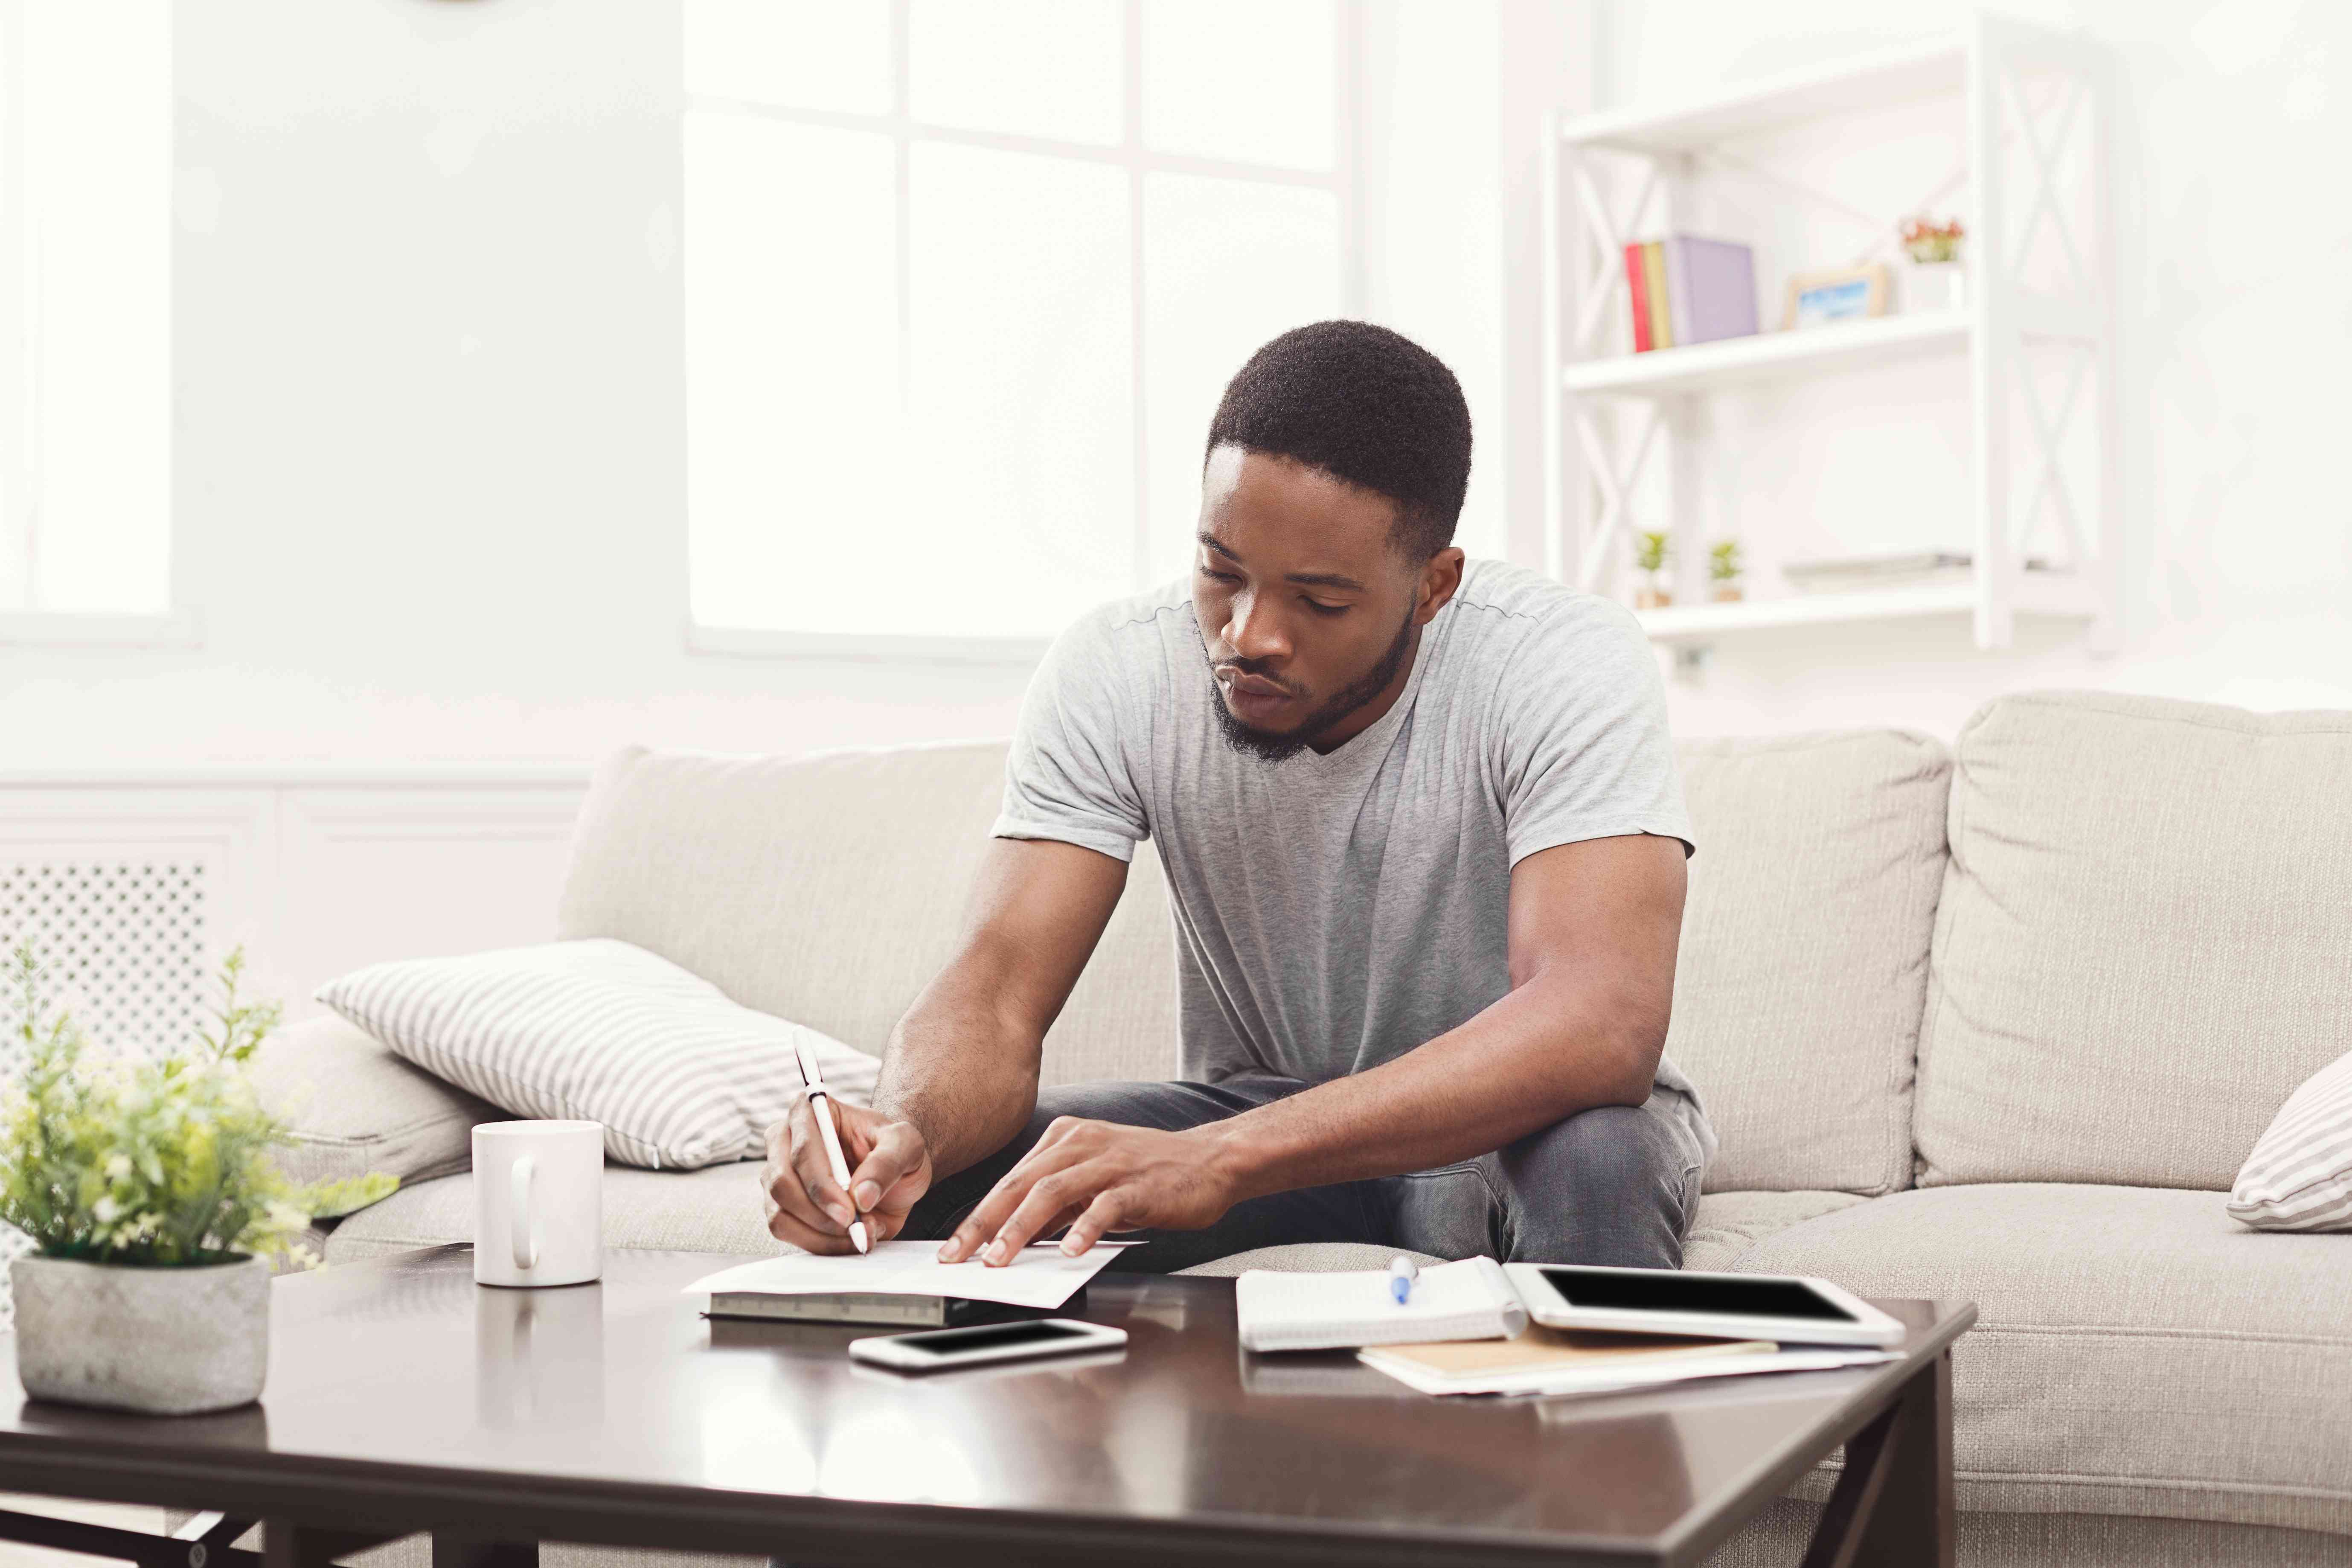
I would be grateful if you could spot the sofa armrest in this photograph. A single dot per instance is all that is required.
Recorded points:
(356, 1107)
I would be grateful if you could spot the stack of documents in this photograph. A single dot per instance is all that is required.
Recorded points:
(1558, 1360)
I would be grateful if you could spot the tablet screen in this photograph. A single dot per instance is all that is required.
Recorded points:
(1662, 1291)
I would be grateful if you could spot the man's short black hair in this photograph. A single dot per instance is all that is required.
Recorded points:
(1364, 404)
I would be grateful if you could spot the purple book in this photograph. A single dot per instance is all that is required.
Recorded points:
(1711, 287)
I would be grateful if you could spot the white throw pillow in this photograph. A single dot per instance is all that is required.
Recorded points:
(599, 1030)
(2299, 1177)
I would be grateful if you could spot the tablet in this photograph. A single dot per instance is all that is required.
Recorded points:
(1786, 1308)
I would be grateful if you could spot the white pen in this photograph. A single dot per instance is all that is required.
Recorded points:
(821, 1106)
(1402, 1273)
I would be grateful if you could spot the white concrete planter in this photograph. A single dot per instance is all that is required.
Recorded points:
(168, 1342)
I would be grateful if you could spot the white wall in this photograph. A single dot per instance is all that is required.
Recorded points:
(428, 362)
(429, 487)
(2236, 322)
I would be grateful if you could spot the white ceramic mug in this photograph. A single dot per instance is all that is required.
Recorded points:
(539, 1203)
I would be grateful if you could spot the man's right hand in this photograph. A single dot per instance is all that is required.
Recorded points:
(889, 1168)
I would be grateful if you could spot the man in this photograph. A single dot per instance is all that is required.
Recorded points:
(1424, 844)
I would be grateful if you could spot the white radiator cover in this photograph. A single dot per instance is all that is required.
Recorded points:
(121, 943)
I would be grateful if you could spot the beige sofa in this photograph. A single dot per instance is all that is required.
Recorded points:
(1996, 1021)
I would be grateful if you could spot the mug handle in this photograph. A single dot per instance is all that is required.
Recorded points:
(522, 1235)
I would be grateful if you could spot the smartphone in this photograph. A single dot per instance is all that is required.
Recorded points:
(935, 1350)
(1788, 1307)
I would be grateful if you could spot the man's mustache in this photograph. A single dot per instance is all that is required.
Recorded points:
(1249, 667)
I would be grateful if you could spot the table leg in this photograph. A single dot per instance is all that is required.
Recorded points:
(1893, 1506)
(451, 1549)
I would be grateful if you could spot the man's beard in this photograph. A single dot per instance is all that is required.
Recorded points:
(1346, 701)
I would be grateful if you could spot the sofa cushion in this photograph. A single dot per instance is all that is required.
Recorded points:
(1805, 952)
(2136, 1349)
(1778, 1534)
(2143, 943)
(715, 1209)
(356, 1107)
(830, 890)
(718, 1210)
(1728, 1224)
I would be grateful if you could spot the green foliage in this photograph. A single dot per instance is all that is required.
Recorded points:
(165, 1161)
(1651, 551)
(1723, 563)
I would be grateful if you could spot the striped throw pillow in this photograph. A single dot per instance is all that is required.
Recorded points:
(2299, 1177)
(599, 1030)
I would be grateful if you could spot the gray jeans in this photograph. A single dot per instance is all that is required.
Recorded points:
(1613, 1185)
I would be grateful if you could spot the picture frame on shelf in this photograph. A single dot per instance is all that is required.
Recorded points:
(1842, 294)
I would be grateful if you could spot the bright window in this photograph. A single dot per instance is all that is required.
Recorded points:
(963, 283)
(85, 303)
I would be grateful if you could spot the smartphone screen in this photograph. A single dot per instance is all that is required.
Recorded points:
(946, 1343)
(1665, 1291)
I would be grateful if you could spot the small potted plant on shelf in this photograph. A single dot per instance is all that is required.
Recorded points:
(1724, 569)
(1933, 276)
(155, 1208)
(1650, 554)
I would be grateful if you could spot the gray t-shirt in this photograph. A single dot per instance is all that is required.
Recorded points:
(1333, 913)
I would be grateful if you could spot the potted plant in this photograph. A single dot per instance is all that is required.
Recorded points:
(1933, 276)
(155, 1208)
(1650, 554)
(1723, 569)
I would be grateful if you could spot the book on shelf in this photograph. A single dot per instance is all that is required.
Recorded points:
(1685, 289)
(1637, 285)
(1662, 315)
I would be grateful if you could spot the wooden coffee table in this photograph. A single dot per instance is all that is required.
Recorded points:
(404, 1398)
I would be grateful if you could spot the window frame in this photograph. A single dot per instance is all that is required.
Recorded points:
(1343, 181)
(176, 624)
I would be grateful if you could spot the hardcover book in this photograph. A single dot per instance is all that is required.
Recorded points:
(1710, 289)
(1637, 282)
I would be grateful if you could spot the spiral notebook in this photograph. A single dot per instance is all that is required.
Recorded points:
(1472, 1300)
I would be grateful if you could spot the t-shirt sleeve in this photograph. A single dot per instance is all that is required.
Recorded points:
(1585, 751)
(1067, 777)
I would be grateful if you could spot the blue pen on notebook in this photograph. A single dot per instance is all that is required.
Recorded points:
(1402, 1271)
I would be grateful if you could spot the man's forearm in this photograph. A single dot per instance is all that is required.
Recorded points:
(962, 1066)
(960, 1073)
(1543, 1052)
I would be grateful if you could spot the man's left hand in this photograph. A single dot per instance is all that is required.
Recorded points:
(1095, 1177)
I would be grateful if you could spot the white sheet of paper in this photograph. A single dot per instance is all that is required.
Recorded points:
(1040, 1276)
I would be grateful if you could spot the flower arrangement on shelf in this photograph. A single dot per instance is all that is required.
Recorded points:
(1652, 551)
(1933, 276)
(152, 1197)
(1926, 241)
(1724, 568)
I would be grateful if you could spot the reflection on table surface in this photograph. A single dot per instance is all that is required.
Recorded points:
(407, 1361)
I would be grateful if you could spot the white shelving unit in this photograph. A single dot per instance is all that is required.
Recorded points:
(2026, 93)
